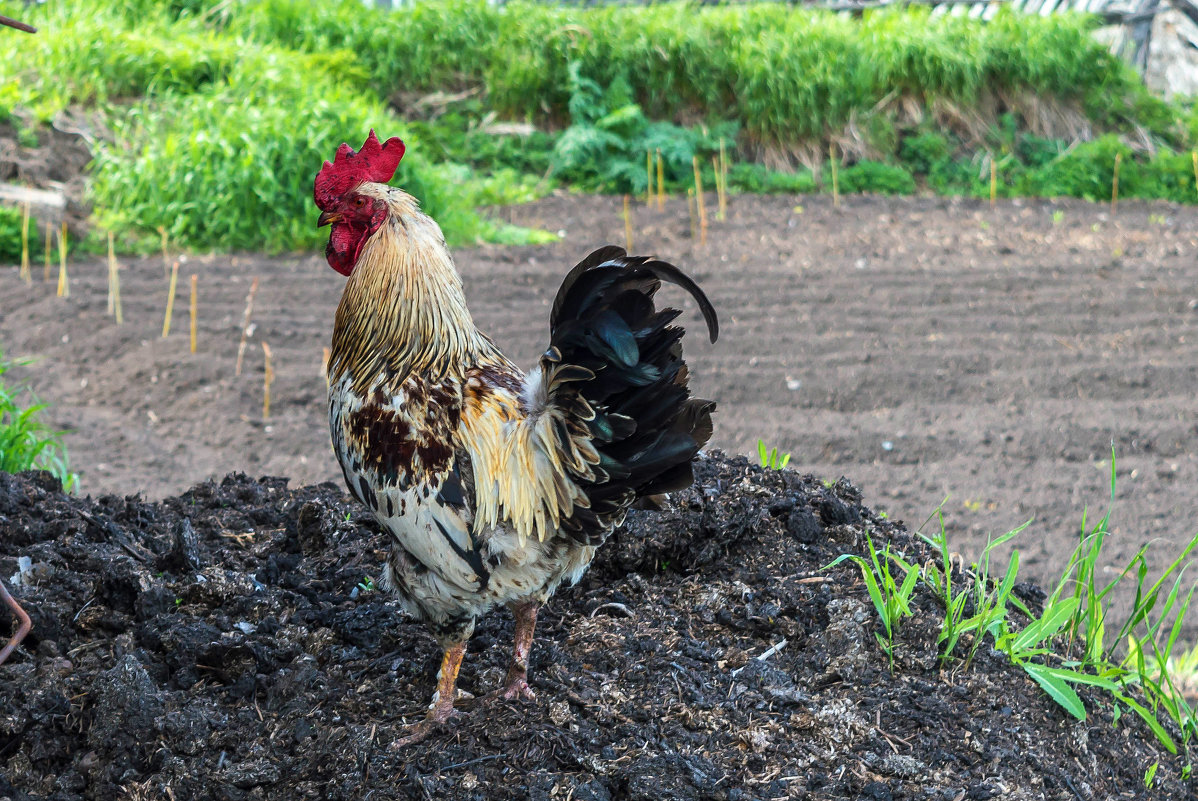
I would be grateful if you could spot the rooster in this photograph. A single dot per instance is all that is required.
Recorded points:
(494, 486)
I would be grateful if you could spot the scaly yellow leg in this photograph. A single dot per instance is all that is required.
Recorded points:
(442, 708)
(516, 683)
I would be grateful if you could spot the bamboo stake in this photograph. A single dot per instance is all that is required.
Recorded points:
(993, 181)
(1115, 184)
(648, 177)
(1194, 158)
(166, 260)
(194, 280)
(324, 365)
(835, 177)
(25, 271)
(690, 208)
(111, 262)
(268, 376)
(721, 189)
(170, 300)
(722, 185)
(627, 225)
(49, 243)
(661, 184)
(699, 201)
(114, 284)
(245, 323)
(64, 285)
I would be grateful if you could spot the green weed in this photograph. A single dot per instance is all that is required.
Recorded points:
(889, 591)
(770, 458)
(27, 443)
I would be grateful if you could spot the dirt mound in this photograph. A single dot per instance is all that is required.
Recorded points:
(227, 644)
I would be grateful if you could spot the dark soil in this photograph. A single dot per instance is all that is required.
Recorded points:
(926, 348)
(216, 645)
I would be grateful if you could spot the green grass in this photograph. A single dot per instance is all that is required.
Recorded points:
(26, 442)
(1135, 667)
(222, 113)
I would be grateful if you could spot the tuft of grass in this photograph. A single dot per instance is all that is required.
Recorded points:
(27, 443)
(770, 458)
(890, 581)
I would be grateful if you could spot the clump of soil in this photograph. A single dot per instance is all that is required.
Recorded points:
(228, 644)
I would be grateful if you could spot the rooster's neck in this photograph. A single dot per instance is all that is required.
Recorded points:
(403, 310)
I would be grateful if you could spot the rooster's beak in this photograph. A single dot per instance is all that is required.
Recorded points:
(328, 218)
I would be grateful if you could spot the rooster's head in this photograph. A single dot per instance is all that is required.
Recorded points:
(345, 202)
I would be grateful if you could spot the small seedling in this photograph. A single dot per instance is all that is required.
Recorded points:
(890, 596)
(366, 585)
(1058, 216)
(770, 458)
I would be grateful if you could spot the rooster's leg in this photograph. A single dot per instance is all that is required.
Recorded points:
(516, 683)
(442, 706)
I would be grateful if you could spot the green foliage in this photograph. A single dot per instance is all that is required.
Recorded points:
(1069, 644)
(26, 443)
(10, 236)
(890, 596)
(769, 457)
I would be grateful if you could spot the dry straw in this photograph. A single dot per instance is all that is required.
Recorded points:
(627, 224)
(64, 283)
(1115, 184)
(648, 176)
(114, 283)
(49, 244)
(661, 183)
(699, 201)
(166, 259)
(170, 300)
(245, 324)
(194, 281)
(26, 273)
(835, 176)
(267, 377)
(993, 181)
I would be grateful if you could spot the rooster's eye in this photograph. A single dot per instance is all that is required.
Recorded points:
(359, 202)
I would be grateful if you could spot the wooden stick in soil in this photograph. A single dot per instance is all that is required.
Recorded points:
(661, 183)
(170, 300)
(245, 324)
(699, 201)
(1115, 185)
(26, 273)
(114, 284)
(49, 244)
(166, 260)
(267, 377)
(1194, 158)
(324, 365)
(194, 280)
(835, 177)
(722, 183)
(627, 225)
(993, 181)
(64, 284)
(648, 177)
(690, 209)
(111, 262)
(719, 189)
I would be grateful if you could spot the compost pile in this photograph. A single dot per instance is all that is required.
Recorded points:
(229, 643)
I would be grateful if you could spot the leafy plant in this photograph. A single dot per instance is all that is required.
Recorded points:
(891, 596)
(770, 458)
(27, 443)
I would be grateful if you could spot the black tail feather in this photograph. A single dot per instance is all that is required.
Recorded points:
(646, 427)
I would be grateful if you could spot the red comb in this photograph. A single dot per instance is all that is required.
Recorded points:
(374, 162)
